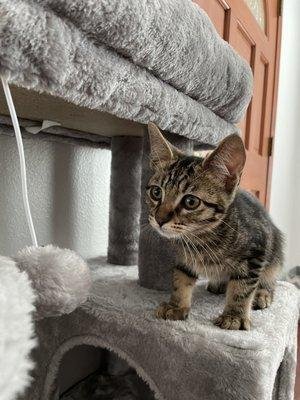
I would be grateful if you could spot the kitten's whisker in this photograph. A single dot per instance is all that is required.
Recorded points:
(149, 230)
(210, 232)
(200, 242)
(145, 228)
(215, 260)
(218, 264)
(144, 224)
(190, 252)
(198, 253)
(185, 256)
(229, 226)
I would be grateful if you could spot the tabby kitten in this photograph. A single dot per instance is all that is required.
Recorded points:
(220, 231)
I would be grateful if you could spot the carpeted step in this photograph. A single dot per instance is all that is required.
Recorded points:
(179, 360)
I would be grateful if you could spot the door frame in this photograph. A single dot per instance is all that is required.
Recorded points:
(274, 103)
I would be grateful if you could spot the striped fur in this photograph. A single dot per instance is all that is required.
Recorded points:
(228, 237)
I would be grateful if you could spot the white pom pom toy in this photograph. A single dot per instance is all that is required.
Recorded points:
(60, 278)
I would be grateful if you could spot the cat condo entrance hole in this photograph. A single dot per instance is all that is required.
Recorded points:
(87, 372)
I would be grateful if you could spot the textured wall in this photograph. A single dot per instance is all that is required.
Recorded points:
(68, 191)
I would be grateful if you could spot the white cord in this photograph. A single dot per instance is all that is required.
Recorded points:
(17, 130)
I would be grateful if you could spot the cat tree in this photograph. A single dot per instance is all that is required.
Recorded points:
(123, 64)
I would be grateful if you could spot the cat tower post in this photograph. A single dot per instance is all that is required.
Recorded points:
(125, 200)
(156, 256)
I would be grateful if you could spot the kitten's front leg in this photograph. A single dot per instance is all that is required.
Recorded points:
(180, 302)
(239, 297)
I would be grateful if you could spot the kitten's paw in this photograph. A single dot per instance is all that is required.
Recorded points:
(168, 311)
(216, 288)
(263, 299)
(177, 314)
(232, 322)
(160, 311)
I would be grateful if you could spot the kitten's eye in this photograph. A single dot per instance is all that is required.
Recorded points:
(155, 193)
(190, 202)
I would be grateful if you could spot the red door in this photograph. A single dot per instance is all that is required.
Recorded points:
(252, 27)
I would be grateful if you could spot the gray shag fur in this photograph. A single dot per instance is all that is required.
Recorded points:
(16, 330)
(294, 276)
(180, 360)
(141, 30)
(46, 51)
(156, 252)
(60, 278)
(125, 200)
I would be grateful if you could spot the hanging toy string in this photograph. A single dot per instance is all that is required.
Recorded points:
(17, 130)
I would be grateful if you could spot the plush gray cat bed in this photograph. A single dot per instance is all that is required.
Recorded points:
(179, 360)
(117, 56)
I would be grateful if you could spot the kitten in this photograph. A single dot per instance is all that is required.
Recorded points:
(221, 232)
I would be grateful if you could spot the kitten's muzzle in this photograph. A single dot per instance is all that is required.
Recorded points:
(163, 218)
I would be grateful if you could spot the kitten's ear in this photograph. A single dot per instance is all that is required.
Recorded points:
(161, 150)
(228, 160)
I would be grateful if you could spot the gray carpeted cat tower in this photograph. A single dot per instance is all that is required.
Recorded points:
(103, 69)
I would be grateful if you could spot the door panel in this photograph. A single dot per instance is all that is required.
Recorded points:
(217, 10)
(242, 42)
(253, 30)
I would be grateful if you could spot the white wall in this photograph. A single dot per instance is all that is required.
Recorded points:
(285, 190)
(68, 190)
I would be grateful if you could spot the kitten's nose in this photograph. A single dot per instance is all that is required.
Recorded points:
(163, 217)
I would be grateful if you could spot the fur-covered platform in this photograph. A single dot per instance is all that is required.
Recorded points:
(126, 59)
(179, 360)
